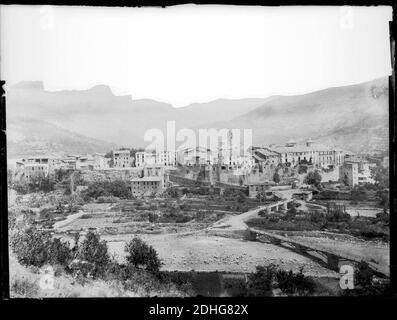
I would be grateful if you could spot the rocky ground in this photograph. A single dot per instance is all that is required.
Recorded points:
(205, 252)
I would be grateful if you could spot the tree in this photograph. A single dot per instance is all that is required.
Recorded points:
(241, 197)
(261, 196)
(260, 283)
(276, 177)
(173, 192)
(30, 246)
(142, 255)
(313, 178)
(94, 251)
(381, 176)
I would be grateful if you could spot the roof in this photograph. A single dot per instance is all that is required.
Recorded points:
(302, 148)
(265, 183)
(35, 164)
(146, 179)
(122, 151)
(266, 152)
(198, 148)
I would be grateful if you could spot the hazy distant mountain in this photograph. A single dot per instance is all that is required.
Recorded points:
(352, 117)
(119, 119)
(28, 136)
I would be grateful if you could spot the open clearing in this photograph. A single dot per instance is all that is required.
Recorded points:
(201, 252)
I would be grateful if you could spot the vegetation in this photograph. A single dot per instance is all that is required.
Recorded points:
(276, 177)
(381, 176)
(335, 219)
(141, 255)
(266, 279)
(37, 248)
(117, 188)
(95, 252)
(313, 178)
(365, 283)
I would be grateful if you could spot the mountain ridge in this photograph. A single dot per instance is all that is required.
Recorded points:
(97, 113)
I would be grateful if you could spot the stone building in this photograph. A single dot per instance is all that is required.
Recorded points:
(122, 159)
(356, 171)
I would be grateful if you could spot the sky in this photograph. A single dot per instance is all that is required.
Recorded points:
(188, 54)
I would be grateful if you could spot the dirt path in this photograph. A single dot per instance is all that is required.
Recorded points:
(237, 222)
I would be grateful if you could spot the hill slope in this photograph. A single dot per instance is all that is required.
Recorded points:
(353, 117)
(29, 136)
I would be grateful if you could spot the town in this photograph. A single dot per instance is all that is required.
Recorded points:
(304, 206)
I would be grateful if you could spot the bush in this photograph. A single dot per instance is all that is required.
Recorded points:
(59, 252)
(313, 178)
(36, 248)
(265, 279)
(261, 282)
(118, 188)
(23, 287)
(294, 283)
(142, 255)
(95, 251)
(31, 246)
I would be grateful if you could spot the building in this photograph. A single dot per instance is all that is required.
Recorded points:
(195, 156)
(166, 158)
(356, 171)
(85, 163)
(52, 162)
(28, 171)
(122, 159)
(152, 180)
(305, 195)
(100, 162)
(266, 158)
(309, 153)
(68, 163)
(255, 188)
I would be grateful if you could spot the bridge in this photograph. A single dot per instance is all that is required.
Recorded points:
(332, 255)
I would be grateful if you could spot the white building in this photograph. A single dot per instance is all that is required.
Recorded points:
(153, 180)
(100, 162)
(165, 158)
(195, 156)
(356, 171)
(311, 153)
(122, 159)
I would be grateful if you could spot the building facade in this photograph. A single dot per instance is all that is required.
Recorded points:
(152, 180)
(309, 153)
(356, 171)
(122, 159)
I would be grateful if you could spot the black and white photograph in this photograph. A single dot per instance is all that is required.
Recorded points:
(197, 150)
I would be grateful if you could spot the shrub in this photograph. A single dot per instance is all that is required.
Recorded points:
(261, 282)
(30, 246)
(23, 287)
(59, 252)
(140, 254)
(118, 188)
(36, 248)
(313, 178)
(95, 251)
(294, 283)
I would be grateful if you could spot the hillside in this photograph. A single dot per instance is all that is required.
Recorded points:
(98, 113)
(29, 136)
(353, 117)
